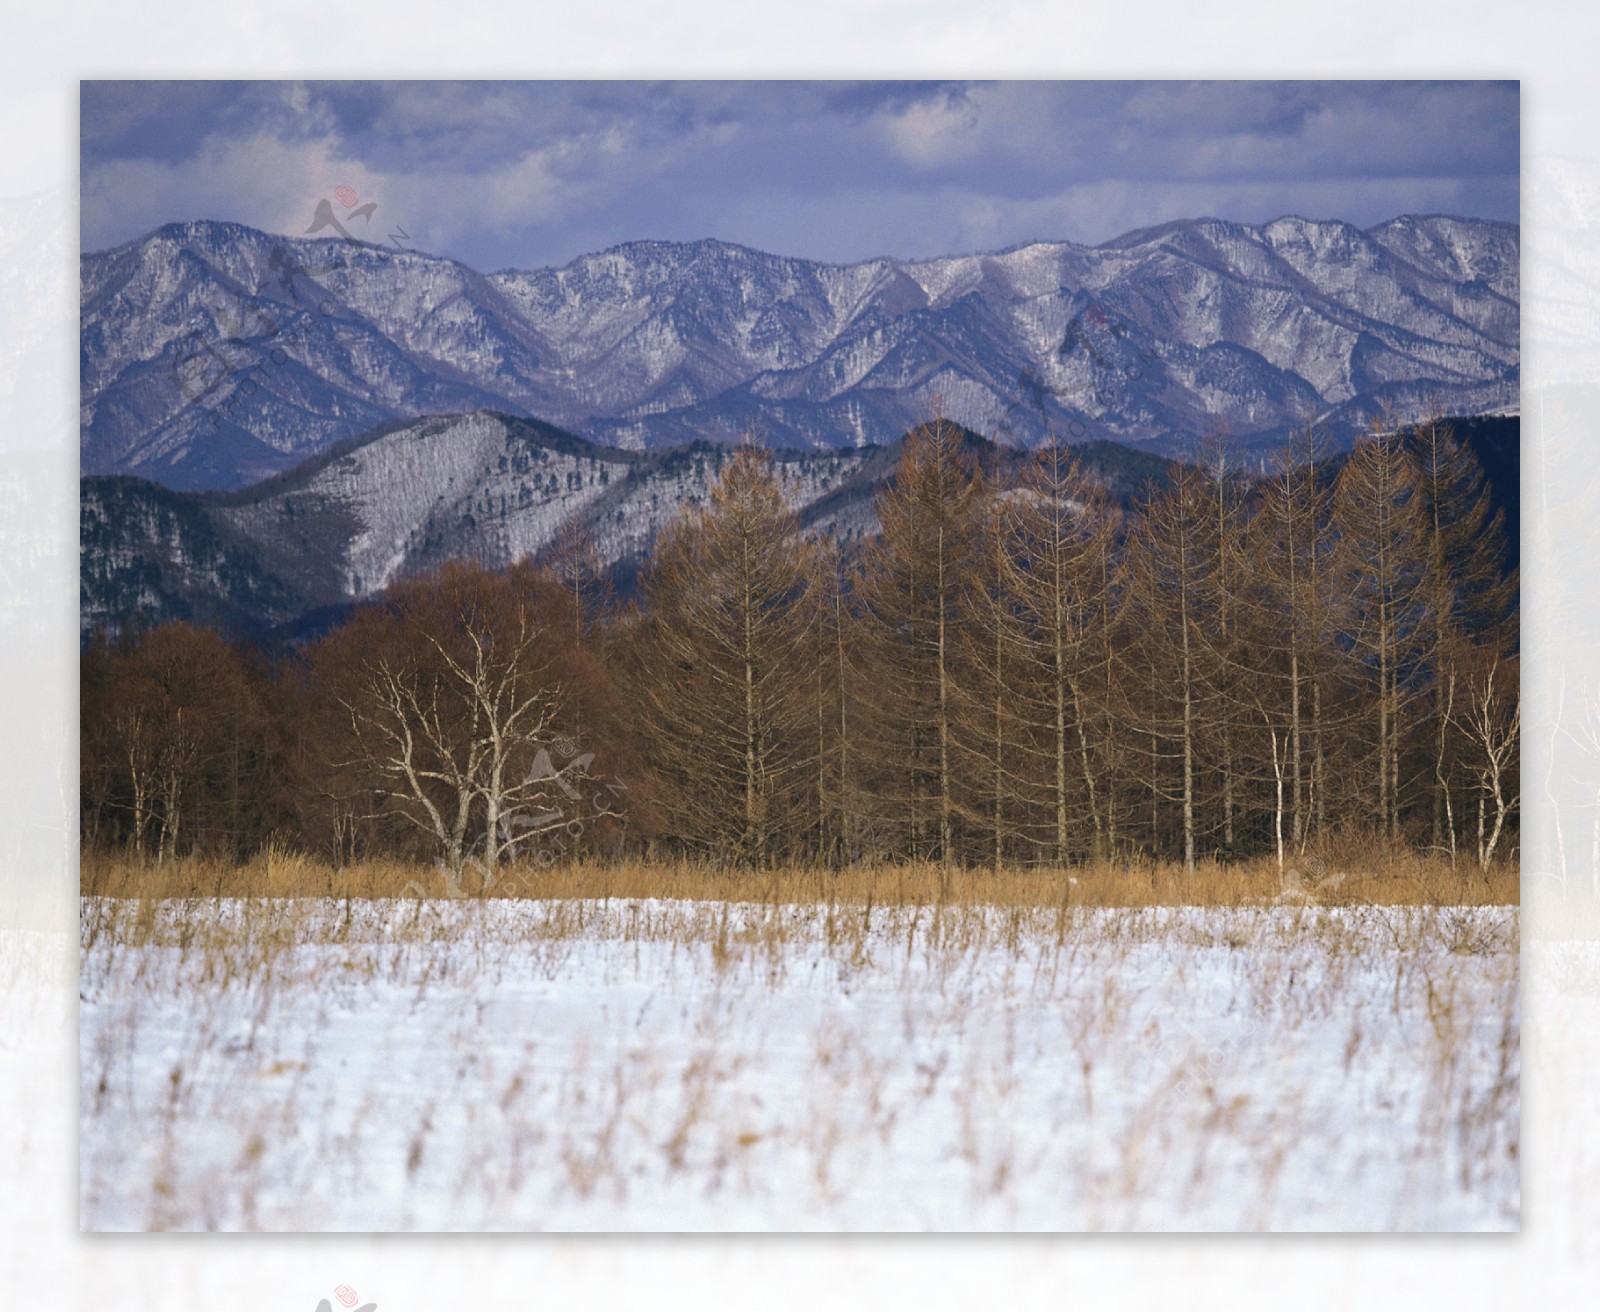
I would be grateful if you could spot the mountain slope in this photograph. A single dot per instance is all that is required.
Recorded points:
(348, 522)
(213, 354)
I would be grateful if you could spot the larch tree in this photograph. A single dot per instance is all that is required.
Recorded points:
(1055, 537)
(913, 589)
(990, 789)
(1286, 603)
(1476, 601)
(1169, 582)
(723, 673)
(1228, 662)
(1386, 591)
(828, 620)
(1467, 538)
(573, 560)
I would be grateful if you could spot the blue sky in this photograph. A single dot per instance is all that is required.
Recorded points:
(535, 173)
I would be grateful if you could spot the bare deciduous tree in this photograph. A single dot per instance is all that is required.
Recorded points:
(1055, 536)
(172, 727)
(1488, 712)
(1171, 584)
(454, 702)
(1387, 592)
(913, 586)
(722, 668)
(1287, 599)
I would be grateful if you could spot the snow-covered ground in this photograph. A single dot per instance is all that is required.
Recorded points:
(669, 1066)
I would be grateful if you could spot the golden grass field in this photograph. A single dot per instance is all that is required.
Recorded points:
(1373, 876)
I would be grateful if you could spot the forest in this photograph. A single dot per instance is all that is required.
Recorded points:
(1011, 674)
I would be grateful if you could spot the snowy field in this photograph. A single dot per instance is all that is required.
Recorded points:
(672, 1065)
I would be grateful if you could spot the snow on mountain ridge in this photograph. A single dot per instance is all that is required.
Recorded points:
(481, 487)
(212, 353)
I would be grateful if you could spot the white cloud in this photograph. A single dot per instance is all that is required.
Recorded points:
(934, 133)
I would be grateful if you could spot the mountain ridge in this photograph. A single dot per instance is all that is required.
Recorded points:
(214, 354)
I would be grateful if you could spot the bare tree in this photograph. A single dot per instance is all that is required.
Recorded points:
(1170, 581)
(171, 726)
(829, 622)
(573, 560)
(913, 587)
(1054, 539)
(1476, 592)
(1227, 667)
(1467, 538)
(454, 704)
(1287, 598)
(722, 668)
(1385, 583)
(1488, 713)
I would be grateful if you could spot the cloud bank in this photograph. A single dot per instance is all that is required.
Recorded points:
(536, 173)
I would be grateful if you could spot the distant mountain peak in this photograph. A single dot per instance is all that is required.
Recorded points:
(214, 354)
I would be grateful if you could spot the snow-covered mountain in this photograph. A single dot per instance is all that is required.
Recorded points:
(214, 354)
(349, 522)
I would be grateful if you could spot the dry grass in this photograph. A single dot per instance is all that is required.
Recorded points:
(1375, 876)
(301, 1063)
(666, 1045)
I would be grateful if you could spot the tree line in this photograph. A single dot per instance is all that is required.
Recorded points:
(1011, 672)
